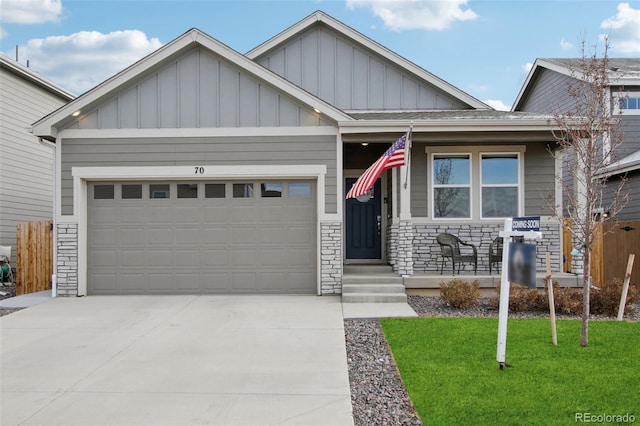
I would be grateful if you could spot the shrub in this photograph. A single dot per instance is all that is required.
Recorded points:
(522, 298)
(606, 300)
(460, 294)
(568, 300)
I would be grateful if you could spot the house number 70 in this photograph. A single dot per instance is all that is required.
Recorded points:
(199, 170)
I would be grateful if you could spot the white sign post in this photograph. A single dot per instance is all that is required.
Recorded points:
(527, 227)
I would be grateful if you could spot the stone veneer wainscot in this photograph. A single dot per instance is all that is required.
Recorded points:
(67, 259)
(331, 257)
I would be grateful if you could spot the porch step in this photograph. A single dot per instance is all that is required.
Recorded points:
(374, 297)
(372, 279)
(373, 288)
(367, 269)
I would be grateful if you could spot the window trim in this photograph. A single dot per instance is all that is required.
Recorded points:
(620, 95)
(433, 186)
(475, 151)
(518, 184)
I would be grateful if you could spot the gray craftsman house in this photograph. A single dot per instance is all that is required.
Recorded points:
(26, 163)
(546, 88)
(202, 170)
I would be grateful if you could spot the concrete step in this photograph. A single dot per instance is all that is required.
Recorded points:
(367, 269)
(373, 288)
(372, 279)
(374, 298)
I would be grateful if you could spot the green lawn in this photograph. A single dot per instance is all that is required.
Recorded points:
(449, 368)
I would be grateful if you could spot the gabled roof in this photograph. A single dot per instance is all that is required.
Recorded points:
(622, 72)
(34, 78)
(321, 18)
(47, 126)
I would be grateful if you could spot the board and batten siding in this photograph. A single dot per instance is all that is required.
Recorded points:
(631, 210)
(198, 89)
(350, 76)
(199, 151)
(26, 165)
(539, 181)
(630, 126)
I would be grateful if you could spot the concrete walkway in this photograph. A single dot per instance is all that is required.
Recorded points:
(175, 360)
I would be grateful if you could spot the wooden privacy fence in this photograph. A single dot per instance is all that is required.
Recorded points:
(34, 256)
(612, 245)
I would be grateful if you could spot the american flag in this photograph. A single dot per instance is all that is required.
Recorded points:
(393, 157)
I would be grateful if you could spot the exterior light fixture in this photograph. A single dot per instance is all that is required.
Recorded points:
(76, 113)
(317, 110)
(364, 143)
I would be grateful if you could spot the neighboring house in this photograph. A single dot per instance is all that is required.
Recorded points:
(26, 164)
(546, 88)
(202, 170)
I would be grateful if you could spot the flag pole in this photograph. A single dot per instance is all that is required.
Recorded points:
(407, 154)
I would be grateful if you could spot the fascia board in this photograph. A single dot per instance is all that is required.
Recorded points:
(370, 44)
(445, 125)
(35, 78)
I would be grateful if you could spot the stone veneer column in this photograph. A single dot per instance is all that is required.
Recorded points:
(331, 257)
(392, 244)
(67, 259)
(403, 262)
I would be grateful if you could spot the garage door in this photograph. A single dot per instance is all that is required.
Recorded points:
(201, 237)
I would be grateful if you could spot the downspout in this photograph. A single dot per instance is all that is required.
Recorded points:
(54, 290)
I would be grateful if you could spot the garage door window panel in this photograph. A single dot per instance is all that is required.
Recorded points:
(103, 192)
(131, 192)
(159, 191)
(299, 190)
(187, 190)
(271, 190)
(214, 190)
(242, 190)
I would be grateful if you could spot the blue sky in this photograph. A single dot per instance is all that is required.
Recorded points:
(484, 47)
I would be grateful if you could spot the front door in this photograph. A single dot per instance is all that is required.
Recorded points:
(363, 223)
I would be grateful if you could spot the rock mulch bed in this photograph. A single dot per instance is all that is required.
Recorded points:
(378, 395)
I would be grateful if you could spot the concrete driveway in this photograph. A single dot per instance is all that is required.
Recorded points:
(175, 360)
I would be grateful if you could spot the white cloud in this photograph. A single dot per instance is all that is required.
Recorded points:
(399, 15)
(527, 67)
(82, 60)
(3, 33)
(30, 11)
(625, 36)
(565, 45)
(497, 104)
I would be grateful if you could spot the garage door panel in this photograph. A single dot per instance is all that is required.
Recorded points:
(243, 235)
(214, 282)
(159, 258)
(104, 258)
(189, 258)
(215, 234)
(131, 236)
(213, 257)
(160, 283)
(245, 213)
(104, 215)
(243, 257)
(104, 237)
(131, 282)
(159, 236)
(132, 215)
(131, 258)
(188, 215)
(201, 245)
(162, 212)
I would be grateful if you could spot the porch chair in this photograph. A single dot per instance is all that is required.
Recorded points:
(450, 248)
(495, 250)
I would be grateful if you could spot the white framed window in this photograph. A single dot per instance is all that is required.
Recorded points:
(451, 181)
(475, 182)
(499, 185)
(627, 102)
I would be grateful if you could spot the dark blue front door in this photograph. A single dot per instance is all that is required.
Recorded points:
(363, 224)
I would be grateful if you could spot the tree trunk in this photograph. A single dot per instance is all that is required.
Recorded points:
(586, 289)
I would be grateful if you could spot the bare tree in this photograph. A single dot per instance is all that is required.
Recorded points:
(589, 134)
